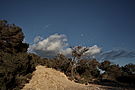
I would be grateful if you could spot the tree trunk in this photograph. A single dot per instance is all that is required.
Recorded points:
(72, 71)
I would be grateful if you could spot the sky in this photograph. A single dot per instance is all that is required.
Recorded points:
(109, 24)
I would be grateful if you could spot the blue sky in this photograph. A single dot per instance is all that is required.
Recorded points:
(107, 23)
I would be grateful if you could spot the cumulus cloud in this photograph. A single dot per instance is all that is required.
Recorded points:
(57, 44)
(51, 46)
(116, 54)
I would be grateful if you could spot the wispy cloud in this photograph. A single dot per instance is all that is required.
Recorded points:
(116, 54)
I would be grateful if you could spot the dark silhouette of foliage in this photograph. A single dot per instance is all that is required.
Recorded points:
(88, 71)
(11, 37)
(112, 71)
(129, 69)
(104, 65)
(77, 53)
(15, 63)
(128, 74)
(12, 66)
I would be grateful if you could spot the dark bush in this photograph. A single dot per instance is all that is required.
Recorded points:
(11, 37)
(129, 79)
(15, 63)
(13, 66)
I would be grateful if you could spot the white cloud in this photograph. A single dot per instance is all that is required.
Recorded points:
(93, 50)
(66, 52)
(56, 44)
(51, 46)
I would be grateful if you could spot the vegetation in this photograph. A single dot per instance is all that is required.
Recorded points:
(77, 53)
(16, 65)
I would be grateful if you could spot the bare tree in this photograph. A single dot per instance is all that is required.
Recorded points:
(77, 53)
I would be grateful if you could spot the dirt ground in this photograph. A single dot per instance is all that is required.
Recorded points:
(50, 79)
